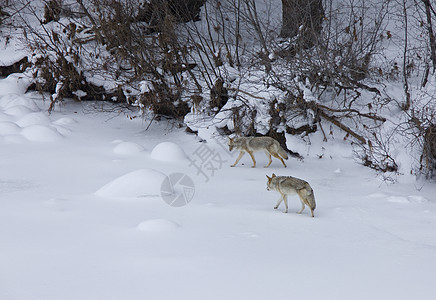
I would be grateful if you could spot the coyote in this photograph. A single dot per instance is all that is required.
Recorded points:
(288, 185)
(253, 144)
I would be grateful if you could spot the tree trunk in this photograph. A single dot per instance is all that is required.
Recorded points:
(428, 9)
(183, 11)
(303, 18)
(186, 10)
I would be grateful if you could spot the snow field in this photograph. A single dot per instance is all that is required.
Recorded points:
(82, 218)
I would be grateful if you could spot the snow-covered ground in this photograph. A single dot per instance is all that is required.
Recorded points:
(82, 216)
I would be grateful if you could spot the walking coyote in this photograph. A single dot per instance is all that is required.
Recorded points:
(254, 144)
(288, 185)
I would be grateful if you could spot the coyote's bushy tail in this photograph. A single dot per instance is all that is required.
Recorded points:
(310, 197)
(282, 153)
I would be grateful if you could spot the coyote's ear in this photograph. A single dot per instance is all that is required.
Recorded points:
(273, 175)
(230, 139)
(269, 178)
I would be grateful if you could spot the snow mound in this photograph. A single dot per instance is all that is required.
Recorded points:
(19, 111)
(11, 101)
(128, 148)
(398, 199)
(41, 133)
(14, 84)
(168, 151)
(5, 117)
(36, 118)
(157, 225)
(417, 199)
(377, 195)
(64, 121)
(408, 199)
(139, 183)
(62, 130)
(7, 128)
(12, 54)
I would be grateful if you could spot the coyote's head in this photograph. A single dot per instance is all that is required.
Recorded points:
(269, 182)
(231, 143)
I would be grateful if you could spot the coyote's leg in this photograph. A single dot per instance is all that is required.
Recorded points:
(269, 157)
(311, 212)
(279, 157)
(285, 198)
(301, 194)
(278, 203)
(302, 207)
(239, 158)
(252, 157)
